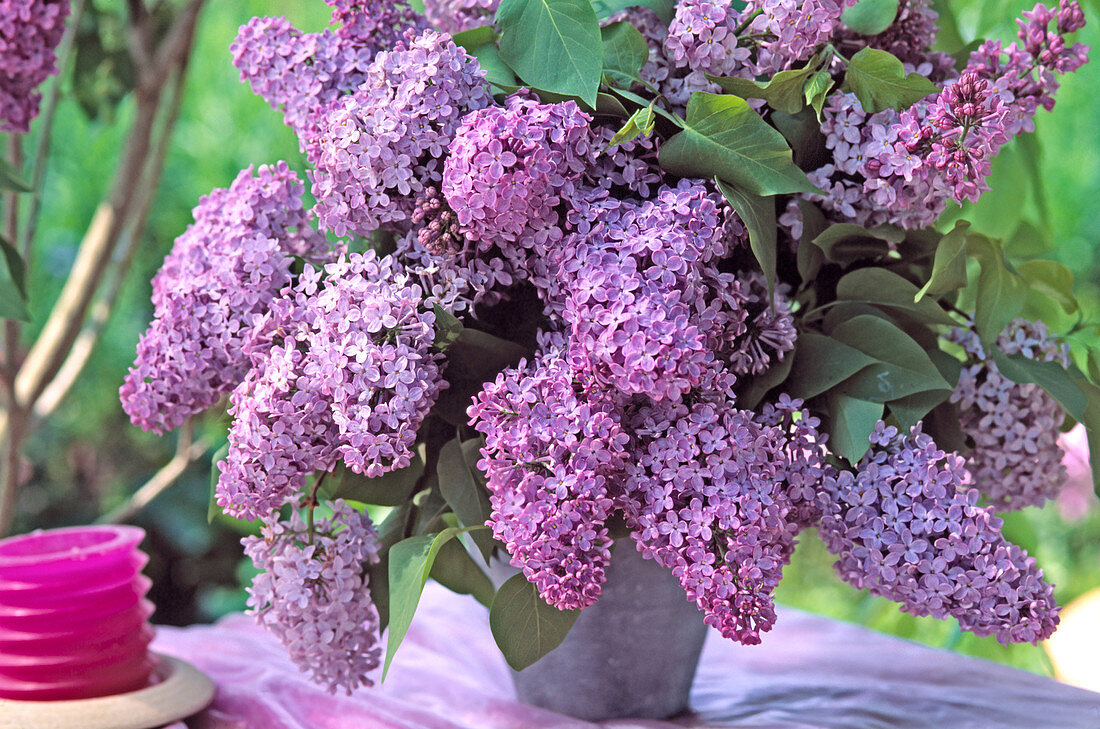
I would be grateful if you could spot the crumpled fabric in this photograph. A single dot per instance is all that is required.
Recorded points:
(810, 673)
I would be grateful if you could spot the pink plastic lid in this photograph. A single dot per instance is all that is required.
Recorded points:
(42, 556)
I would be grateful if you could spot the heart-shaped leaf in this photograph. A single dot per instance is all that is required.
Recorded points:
(723, 137)
(758, 215)
(524, 626)
(870, 17)
(851, 423)
(553, 45)
(879, 81)
(949, 265)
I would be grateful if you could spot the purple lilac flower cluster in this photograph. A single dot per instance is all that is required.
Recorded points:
(775, 34)
(1016, 461)
(349, 375)
(554, 451)
(222, 273)
(906, 526)
(382, 144)
(29, 32)
(509, 167)
(650, 325)
(455, 16)
(636, 286)
(913, 162)
(303, 74)
(312, 593)
(707, 496)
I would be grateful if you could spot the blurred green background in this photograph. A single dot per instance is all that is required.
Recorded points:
(89, 458)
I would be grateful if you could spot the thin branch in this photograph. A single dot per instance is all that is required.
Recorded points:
(45, 131)
(140, 37)
(187, 452)
(16, 415)
(176, 43)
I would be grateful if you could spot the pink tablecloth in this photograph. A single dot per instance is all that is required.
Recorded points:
(810, 673)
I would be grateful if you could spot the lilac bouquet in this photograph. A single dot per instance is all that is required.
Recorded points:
(658, 271)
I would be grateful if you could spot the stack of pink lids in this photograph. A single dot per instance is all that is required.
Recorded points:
(73, 614)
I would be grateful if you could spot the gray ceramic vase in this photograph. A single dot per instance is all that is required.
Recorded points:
(631, 654)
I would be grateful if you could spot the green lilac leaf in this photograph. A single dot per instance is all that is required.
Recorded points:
(870, 17)
(473, 359)
(496, 70)
(783, 91)
(13, 292)
(410, 565)
(464, 490)
(723, 137)
(11, 180)
(640, 122)
(447, 328)
(1052, 280)
(879, 81)
(665, 9)
(524, 626)
(553, 45)
(821, 362)
(757, 387)
(1001, 292)
(803, 133)
(949, 265)
(624, 52)
(809, 258)
(846, 243)
(911, 409)
(1050, 376)
(902, 367)
(1091, 421)
(390, 532)
(456, 570)
(851, 423)
(475, 37)
(758, 215)
(882, 287)
(389, 489)
(817, 90)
